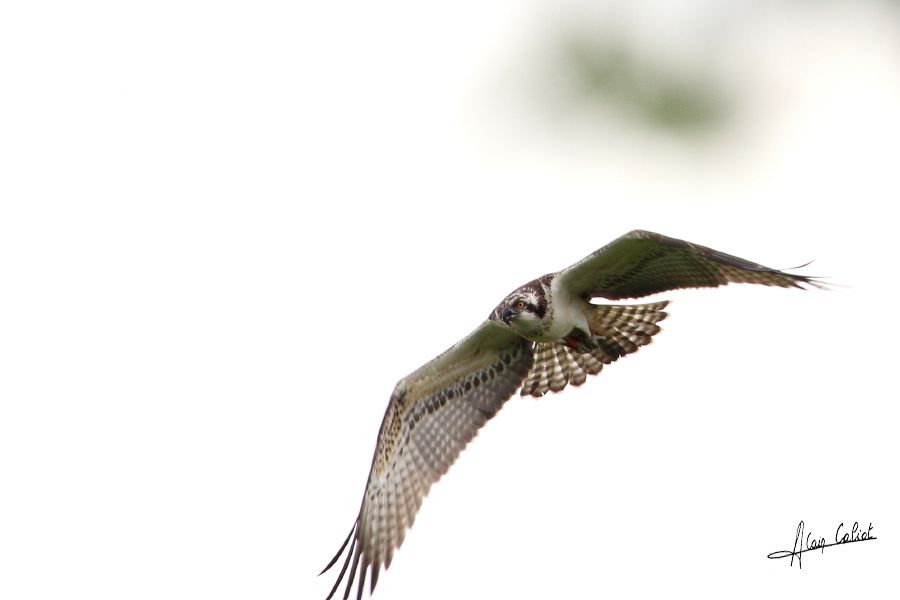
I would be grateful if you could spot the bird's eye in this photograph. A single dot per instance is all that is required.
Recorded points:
(520, 305)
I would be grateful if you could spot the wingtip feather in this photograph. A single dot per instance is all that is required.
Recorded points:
(341, 550)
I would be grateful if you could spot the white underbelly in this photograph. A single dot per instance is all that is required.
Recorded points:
(568, 313)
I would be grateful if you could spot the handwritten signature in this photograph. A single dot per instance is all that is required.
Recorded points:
(810, 542)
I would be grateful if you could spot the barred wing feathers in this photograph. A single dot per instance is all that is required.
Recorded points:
(434, 412)
(641, 263)
(432, 415)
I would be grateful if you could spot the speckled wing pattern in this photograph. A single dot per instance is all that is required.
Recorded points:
(641, 263)
(433, 413)
(623, 329)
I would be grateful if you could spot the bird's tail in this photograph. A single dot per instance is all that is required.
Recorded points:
(617, 329)
(623, 329)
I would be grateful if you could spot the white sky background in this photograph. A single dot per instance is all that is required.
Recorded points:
(228, 229)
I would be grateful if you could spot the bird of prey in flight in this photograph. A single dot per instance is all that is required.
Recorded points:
(541, 337)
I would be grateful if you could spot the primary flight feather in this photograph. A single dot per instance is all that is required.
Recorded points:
(541, 337)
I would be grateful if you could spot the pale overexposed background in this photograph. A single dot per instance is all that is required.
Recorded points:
(227, 229)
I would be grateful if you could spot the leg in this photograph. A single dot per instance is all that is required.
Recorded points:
(583, 343)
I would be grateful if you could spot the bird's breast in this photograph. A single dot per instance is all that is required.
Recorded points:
(567, 313)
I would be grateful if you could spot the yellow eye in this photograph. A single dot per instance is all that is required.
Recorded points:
(520, 305)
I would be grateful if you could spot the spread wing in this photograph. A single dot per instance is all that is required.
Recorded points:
(433, 413)
(641, 263)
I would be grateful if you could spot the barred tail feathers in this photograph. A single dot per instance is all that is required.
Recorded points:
(625, 328)
(619, 330)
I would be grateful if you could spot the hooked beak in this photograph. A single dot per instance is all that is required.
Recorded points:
(509, 313)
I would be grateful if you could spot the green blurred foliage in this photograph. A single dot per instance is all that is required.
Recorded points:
(610, 76)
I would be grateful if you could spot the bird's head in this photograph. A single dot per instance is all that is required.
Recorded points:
(524, 309)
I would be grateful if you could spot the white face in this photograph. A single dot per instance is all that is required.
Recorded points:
(522, 311)
(527, 324)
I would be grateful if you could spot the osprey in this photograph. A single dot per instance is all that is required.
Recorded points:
(542, 337)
